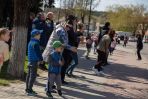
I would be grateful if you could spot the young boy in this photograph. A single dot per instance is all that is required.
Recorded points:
(34, 58)
(4, 48)
(54, 69)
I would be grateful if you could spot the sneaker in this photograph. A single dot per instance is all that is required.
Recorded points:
(31, 93)
(101, 73)
(60, 92)
(53, 87)
(53, 91)
(68, 75)
(49, 94)
(95, 70)
(34, 92)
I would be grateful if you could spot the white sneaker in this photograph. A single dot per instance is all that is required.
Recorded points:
(101, 73)
(95, 70)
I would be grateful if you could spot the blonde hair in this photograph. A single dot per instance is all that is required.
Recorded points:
(3, 31)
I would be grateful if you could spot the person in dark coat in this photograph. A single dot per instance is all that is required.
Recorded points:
(139, 46)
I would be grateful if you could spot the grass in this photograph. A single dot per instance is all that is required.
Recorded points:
(6, 79)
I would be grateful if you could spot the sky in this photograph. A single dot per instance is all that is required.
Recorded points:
(105, 3)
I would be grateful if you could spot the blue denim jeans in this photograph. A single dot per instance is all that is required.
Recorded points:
(31, 76)
(74, 63)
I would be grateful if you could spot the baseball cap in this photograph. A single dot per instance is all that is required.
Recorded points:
(36, 32)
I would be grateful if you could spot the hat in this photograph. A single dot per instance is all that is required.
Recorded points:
(57, 44)
(36, 32)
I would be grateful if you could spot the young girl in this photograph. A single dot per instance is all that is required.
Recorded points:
(4, 48)
(112, 47)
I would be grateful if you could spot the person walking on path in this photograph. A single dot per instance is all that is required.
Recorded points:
(34, 58)
(72, 41)
(125, 41)
(79, 34)
(88, 46)
(54, 68)
(139, 46)
(103, 51)
(4, 48)
(112, 46)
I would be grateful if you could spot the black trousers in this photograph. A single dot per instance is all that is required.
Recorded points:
(138, 54)
(67, 60)
(101, 60)
(31, 76)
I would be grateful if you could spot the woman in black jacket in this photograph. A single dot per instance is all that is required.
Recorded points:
(139, 46)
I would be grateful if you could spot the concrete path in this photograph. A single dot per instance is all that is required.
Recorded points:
(126, 78)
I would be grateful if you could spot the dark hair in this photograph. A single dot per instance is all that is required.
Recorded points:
(3, 31)
(80, 25)
(107, 24)
(70, 17)
(112, 33)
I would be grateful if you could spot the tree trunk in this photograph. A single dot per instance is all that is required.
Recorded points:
(18, 53)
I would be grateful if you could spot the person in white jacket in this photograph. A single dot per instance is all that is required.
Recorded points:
(4, 48)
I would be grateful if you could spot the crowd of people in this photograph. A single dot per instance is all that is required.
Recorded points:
(57, 45)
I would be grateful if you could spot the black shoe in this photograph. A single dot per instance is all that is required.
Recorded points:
(49, 94)
(27, 90)
(69, 75)
(60, 92)
(43, 67)
(53, 87)
(64, 83)
(30, 92)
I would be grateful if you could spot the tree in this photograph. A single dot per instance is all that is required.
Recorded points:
(126, 18)
(17, 59)
(79, 8)
(22, 10)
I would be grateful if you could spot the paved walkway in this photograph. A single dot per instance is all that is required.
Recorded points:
(126, 78)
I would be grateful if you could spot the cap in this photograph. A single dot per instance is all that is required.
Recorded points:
(57, 44)
(36, 32)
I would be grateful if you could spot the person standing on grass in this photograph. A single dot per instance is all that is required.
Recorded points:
(34, 59)
(103, 51)
(139, 45)
(56, 62)
(4, 48)
(79, 34)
